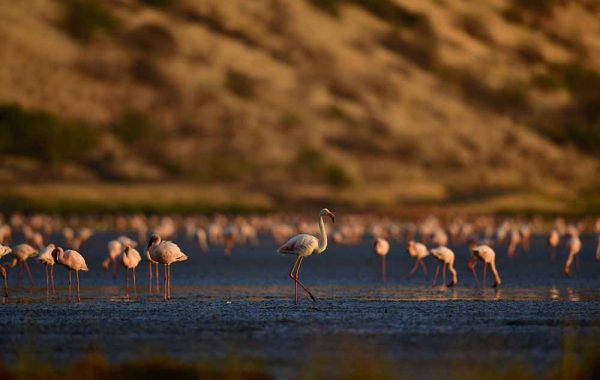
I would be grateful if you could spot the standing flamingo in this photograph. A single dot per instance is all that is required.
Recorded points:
(130, 260)
(73, 261)
(445, 256)
(419, 252)
(166, 253)
(381, 247)
(573, 248)
(201, 239)
(486, 254)
(304, 245)
(45, 257)
(21, 253)
(553, 241)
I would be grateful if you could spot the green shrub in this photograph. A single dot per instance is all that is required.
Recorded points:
(152, 39)
(84, 18)
(240, 83)
(42, 136)
(134, 127)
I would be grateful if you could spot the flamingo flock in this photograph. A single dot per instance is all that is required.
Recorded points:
(55, 241)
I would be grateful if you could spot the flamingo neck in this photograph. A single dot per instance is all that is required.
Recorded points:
(323, 241)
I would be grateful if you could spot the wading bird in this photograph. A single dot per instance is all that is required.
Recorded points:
(381, 247)
(21, 253)
(166, 253)
(419, 252)
(130, 260)
(553, 241)
(73, 261)
(45, 257)
(4, 276)
(573, 248)
(486, 254)
(304, 245)
(445, 256)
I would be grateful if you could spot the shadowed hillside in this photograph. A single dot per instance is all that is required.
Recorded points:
(488, 106)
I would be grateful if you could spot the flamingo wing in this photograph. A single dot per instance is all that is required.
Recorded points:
(301, 245)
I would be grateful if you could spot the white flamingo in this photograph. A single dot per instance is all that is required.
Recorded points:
(486, 254)
(304, 245)
(201, 239)
(45, 257)
(166, 253)
(445, 256)
(419, 252)
(130, 260)
(381, 247)
(573, 248)
(553, 241)
(73, 261)
(21, 253)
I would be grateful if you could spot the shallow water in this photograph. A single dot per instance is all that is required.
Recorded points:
(242, 305)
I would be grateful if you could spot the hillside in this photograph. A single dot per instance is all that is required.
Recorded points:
(369, 103)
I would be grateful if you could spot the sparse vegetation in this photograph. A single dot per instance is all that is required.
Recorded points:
(42, 136)
(418, 46)
(473, 26)
(84, 18)
(152, 39)
(240, 83)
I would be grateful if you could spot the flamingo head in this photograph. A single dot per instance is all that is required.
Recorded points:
(126, 250)
(56, 252)
(154, 239)
(326, 212)
(471, 243)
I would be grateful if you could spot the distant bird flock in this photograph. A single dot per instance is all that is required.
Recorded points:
(427, 239)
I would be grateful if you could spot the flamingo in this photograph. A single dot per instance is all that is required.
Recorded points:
(166, 253)
(381, 247)
(4, 250)
(73, 261)
(21, 253)
(573, 248)
(418, 251)
(515, 240)
(598, 248)
(45, 257)
(553, 241)
(486, 254)
(130, 260)
(444, 255)
(304, 245)
(201, 239)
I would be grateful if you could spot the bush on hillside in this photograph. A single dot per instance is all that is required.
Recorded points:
(84, 18)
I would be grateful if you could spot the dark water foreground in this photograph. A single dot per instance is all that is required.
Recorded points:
(241, 307)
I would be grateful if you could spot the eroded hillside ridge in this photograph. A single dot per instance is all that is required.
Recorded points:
(380, 101)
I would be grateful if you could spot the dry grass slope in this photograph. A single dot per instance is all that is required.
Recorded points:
(366, 103)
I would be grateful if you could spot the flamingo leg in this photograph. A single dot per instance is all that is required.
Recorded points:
(475, 273)
(437, 271)
(553, 254)
(577, 263)
(383, 268)
(6, 286)
(28, 273)
(150, 276)
(444, 269)
(157, 278)
(293, 277)
(46, 273)
(423, 266)
(52, 279)
(134, 284)
(19, 274)
(484, 273)
(414, 268)
(114, 269)
(169, 282)
(297, 279)
(78, 296)
(69, 285)
(165, 284)
(127, 282)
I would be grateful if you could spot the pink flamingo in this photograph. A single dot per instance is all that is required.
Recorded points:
(573, 248)
(130, 260)
(73, 261)
(419, 252)
(381, 247)
(553, 241)
(445, 256)
(47, 260)
(21, 253)
(166, 253)
(304, 245)
(486, 254)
